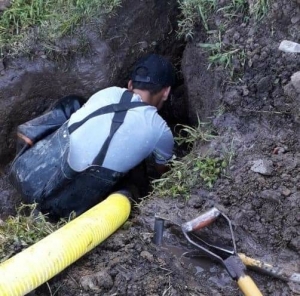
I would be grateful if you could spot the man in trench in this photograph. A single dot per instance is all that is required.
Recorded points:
(71, 157)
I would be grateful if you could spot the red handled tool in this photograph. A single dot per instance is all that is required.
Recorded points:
(227, 257)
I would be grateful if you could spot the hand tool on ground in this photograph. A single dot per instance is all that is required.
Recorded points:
(211, 215)
(205, 219)
(227, 257)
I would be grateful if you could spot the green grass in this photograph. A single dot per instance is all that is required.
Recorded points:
(193, 169)
(200, 12)
(221, 56)
(20, 231)
(192, 11)
(234, 7)
(260, 8)
(188, 173)
(195, 12)
(50, 18)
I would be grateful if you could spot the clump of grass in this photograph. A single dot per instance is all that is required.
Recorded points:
(217, 54)
(21, 231)
(240, 5)
(191, 11)
(209, 169)
(187, 173)
(53, 18)
(260, 8)
(191, 135)
(234, 8)
(191, 169)
(220, 56)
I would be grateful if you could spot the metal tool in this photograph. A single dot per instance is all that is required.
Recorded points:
(217, 252)
(211, 215)
(227, 257)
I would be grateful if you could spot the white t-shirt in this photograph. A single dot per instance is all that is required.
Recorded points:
(142, 133)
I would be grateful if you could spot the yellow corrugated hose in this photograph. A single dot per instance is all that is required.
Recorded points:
(34, 266)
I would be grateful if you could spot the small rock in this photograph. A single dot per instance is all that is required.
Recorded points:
(262, 166)
(232, 98)
(97, 281)
(245, 90)
(294, 199)
(146, 255)
(261, 180)
(285, 176)
(251, 32)
(295, 243)
(270, 195)
(236, 36)
(279, 150)
(295, 80)
(295, 19)
(143, 45)
(290, 92)
(195, 201)
(286, 192)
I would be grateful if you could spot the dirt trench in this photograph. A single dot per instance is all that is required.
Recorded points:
(255, 115)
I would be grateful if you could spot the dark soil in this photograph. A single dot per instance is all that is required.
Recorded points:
(258, 124)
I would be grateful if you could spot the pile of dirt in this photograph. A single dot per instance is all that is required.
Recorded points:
(260, 193)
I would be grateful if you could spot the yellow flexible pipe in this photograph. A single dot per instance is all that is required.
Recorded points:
(32, 267)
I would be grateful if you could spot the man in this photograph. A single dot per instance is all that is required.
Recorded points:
(77, 154)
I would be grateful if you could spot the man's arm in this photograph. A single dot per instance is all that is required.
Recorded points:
(163, 151)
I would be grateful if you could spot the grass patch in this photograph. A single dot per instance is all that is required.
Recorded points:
(49, 18)
(220, 56)
(191, 11)
(195, 12)
(200, 11)
(21, 231)
(187, 173)
(260, 8)
(234, 9)
(192, 169)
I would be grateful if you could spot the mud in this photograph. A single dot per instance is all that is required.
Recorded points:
(255, 116)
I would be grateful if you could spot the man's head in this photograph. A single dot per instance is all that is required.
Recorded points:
(155, 74)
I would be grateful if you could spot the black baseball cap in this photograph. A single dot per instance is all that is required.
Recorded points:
(155, 69)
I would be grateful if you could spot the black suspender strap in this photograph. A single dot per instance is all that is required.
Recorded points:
(104, 110)
(120, 111)
(117, 121)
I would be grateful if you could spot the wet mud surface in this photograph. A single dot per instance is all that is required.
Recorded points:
(260, 192)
